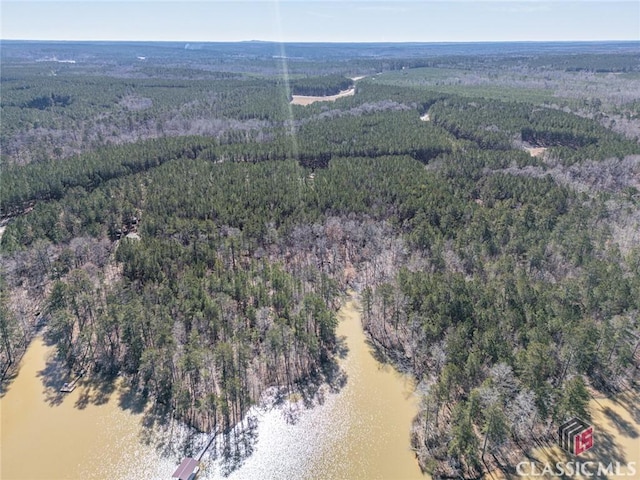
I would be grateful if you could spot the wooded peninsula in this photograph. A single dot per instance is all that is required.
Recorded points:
(170, 218)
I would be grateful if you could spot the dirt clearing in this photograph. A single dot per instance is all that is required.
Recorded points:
(308, 100)
(536, 151)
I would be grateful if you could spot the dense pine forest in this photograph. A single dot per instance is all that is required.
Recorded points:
(174, 220)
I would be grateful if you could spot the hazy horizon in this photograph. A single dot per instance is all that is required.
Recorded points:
(311, 42)
(327, 21)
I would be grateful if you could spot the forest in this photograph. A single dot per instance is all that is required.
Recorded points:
(183, 226)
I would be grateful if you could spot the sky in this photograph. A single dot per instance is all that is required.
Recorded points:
(321, 21)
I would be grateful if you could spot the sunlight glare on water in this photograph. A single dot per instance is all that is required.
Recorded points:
(49, 436)
(362, 431)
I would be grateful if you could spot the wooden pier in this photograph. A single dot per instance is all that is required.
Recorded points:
(187, 470)
(189, 467)
(69, 387)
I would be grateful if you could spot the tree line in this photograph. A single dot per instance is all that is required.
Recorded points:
(206, 270)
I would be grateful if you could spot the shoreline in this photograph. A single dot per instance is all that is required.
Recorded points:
(282, 424)
(371, 404)
(100, 430)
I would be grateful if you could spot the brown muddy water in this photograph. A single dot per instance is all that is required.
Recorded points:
(360, 431)
(81, 435)
(372, 419)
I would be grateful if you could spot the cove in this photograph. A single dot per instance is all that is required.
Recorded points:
(85, 434)
(360, 431)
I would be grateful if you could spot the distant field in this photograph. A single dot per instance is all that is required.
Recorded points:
(464, 83)
(520, 84)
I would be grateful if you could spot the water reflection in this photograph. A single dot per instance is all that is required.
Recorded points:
(358, 426)
(358, 429)
(84, 434)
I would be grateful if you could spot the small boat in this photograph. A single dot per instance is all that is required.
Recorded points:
(68, 387)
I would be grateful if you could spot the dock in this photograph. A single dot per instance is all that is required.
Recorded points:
(189, 467)
(69, 387)
(187, 470)
(206, 446)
